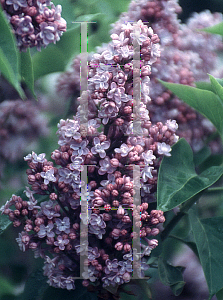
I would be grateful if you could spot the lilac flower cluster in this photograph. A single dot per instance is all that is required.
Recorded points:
(50, 219)
(35, 23)
(21, 123)
(187, 55)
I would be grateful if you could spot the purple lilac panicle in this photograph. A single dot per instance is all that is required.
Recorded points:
(52, 229)
(187, 55)
(34, 23)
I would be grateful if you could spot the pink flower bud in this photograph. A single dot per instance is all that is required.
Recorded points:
(154, 231)
(114, 162)
(120, 211)
(153, 243)
(118, 246)
(127, 247)
(145, 206)
(114, 193)
(126, 219)
(119, 122)
(106, 217)
(116, 233)
(126, 277)
(85, 283)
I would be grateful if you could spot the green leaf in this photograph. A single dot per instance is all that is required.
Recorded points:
(4, 223)
(27, 71)
(217, 87)
(49, 60)
(177, 288)
(171, 276)
(178, 180)
(112, 289)
(219, 295)
(138, 289)
(9, 55)
(202, 155)
(187, 242)
(35, 286)
(203, 85)
(6, 287)
(204, 101)
(208, 235)
(216, 29)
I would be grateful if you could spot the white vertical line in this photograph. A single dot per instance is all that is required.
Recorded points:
(84, 78)
(83, 221)
(136, 84)
(136, 229)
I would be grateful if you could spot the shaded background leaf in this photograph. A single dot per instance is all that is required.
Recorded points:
(208, 235)
(139, 288)
(4, 223)
(171, 276)
(27, 71)
(9, 55)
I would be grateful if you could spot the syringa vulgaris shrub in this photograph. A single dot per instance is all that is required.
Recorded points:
(122, 190)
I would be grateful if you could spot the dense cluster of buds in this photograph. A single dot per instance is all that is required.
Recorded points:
(117, 138)
(21, 123)
(36, 23)
(187, 55)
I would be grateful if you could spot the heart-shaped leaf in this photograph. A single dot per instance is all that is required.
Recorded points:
(171, 276)
(178, 180)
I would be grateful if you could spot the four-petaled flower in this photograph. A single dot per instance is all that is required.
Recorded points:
(62, 225)
(46, 231)
(124, 150)
(105, 166)
(99, 148)
(48, 176)
(61, 242)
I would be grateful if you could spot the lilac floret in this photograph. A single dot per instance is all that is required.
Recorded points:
(99, 148)
(17, 3)
(124, 150)
(105, 166)
(48, 176)
(164, 149)
(46, 231)
(61, 242)
(63, 225)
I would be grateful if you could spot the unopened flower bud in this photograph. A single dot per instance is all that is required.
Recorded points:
(127, 247)
(126, 277)
(154, 231)
(114, 162)
(118, 246)
(153, 243)
(120, 211)
(115, 232)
